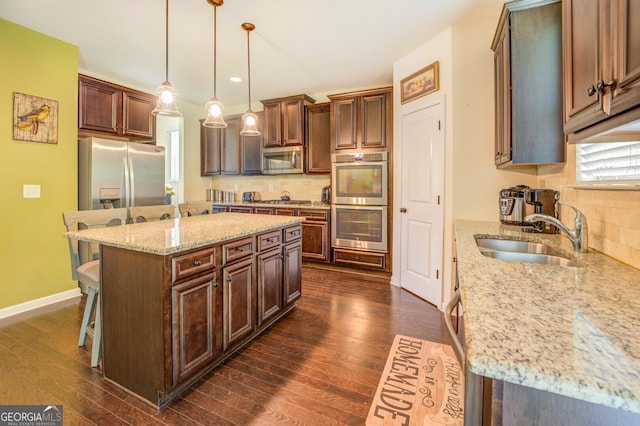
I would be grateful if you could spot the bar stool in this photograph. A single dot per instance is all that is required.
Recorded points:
(139, 214)
(195, 208)
(85, 268)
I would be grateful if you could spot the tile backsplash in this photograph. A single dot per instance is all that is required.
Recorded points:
(613, 217)
(300, 187)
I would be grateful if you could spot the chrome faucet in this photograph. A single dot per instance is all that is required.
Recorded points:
(578, 235)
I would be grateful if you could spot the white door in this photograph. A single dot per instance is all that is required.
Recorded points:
(421, 210)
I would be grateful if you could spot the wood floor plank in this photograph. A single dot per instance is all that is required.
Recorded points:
(319, 365)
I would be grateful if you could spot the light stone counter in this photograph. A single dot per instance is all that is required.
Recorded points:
(314, 205)
(567, 330)
(174, 235)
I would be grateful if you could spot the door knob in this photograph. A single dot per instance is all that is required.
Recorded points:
(403, 210)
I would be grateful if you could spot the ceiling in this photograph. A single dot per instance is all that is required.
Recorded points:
(298, 46)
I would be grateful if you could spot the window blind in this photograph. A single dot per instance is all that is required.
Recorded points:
(608, 162)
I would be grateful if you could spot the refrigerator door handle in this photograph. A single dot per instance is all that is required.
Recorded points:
(127, 195)
(132, 177)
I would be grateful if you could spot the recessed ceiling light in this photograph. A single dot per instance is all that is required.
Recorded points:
(235, 79)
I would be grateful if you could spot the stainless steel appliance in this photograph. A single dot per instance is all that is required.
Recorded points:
(326, 195)
(513, 208)
(359, 227)
(360, 179)
(251, 197)
(543, 201)
(285, 160)
(114, 174)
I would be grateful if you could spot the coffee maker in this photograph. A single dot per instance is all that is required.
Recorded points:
(544, 201)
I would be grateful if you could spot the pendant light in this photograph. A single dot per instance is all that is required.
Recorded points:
(214, 107)
(249, 119)
(166, 93)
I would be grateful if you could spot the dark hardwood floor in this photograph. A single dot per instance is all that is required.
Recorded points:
(319, 365)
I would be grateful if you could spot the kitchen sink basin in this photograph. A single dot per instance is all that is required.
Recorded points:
(522, 251)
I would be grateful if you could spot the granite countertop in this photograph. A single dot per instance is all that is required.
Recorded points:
(568, 330)
(315, 205)
(174, 235)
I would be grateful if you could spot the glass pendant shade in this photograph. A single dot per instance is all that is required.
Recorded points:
(166, 93)
(166, 101)
(249, 124)
(215, 117)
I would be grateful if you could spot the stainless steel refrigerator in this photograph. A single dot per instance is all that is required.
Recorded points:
(114, 174)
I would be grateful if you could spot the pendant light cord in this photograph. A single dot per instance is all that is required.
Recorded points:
(215, 44)
(249, 67)
(166, 41)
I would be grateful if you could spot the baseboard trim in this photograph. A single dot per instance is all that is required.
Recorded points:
(33, 306)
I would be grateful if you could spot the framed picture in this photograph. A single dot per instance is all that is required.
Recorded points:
(35, 119)
(419, 83)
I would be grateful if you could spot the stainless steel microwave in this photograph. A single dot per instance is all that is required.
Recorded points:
(285, 160)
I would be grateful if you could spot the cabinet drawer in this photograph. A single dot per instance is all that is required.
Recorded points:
(314, 214)
(359, 258)
(238, 249)
(263, 210)
(269, 240)
(292, 233)
(192, 264)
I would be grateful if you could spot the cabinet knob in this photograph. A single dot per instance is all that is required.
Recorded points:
(229, 278)
(197, 263)
(601, 85)
(215, 284)
(403, 210)
(591, 90)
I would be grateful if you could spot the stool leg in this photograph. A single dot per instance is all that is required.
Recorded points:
(88, 313)
(96, 345)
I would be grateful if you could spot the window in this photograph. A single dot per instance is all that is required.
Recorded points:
(174, 156)
(608, 163)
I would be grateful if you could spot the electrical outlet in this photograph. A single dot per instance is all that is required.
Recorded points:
(235, 187)
(270, 188)
(31, 191)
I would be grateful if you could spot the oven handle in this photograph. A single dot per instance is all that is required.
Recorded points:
(457, 345)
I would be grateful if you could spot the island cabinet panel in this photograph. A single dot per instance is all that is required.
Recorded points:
(292, 255)
(270, 301)
(239, 302)
(197, 330)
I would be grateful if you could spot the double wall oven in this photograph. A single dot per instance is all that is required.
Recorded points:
(359, 201)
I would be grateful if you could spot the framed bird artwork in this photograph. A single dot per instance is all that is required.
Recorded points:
(35, 119)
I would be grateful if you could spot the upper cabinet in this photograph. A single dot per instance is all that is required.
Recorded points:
(601, 60)
(362, 120)
(317, 139)
(528, 84)
(284, 121)
(109, 109)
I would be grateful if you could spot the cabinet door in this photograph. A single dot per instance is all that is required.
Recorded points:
(230, 148)
(292, 122)
(315, 241)
(209, 151)
(627, 65)
(250, 147)
(318, 138)
(292, 254)
(345, 124)
(582, 62)
(137, 120)
(239, 302)
(196, 334)
(272, 134)
(269, 285)
(502, 99)
(99, 106)
(373, 119)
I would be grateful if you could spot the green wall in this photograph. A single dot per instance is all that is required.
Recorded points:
(34, 257)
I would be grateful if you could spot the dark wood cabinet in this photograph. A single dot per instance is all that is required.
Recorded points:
(292, 275)
(284, 121)
(318, 138)
(270, 286)
(111, 110)
(601, 60)
(238, 282)
(220, 149)
(361, 120)
(197, 333)
(528, 84)
(315, 235)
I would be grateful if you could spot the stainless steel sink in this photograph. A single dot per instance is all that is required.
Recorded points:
(522, 251)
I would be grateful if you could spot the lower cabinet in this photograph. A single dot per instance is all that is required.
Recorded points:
(315, 235)
(360, 259)
(292, 254)
(270, 300)
(239, 301)
(197, 331)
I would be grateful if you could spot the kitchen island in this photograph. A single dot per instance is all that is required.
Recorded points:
(563, 340)
(179, 296)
